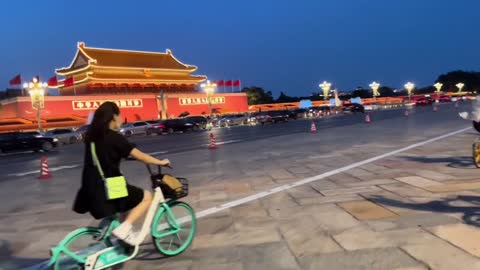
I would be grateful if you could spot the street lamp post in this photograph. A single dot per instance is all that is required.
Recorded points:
(209, 89)
(438, 86)
(460, 86)
(409, 86)
(36, 89)
(325, 86)
(375, 86)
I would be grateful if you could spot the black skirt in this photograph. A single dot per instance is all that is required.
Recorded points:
(92, 197)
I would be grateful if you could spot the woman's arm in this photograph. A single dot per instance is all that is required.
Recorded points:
(146, 158)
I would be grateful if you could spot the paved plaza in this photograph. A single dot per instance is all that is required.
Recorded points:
(417, 209)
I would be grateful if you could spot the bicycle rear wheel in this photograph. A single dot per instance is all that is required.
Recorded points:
(82, 245)
(476, 154)
(173, 234)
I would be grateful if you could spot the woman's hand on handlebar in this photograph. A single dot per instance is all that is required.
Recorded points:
(164, 162)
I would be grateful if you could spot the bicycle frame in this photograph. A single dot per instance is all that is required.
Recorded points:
(158, 201)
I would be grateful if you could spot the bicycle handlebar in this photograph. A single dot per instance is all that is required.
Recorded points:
(158, 167)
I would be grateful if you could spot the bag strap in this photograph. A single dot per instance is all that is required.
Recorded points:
(95, 160)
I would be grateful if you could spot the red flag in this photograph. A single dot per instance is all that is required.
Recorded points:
(229, 83)
(68, 82)
(53, 81)
(236, 83)
(17, 80)
(221, 83)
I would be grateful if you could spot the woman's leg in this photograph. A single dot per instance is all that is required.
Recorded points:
(140, 209)
(124, 231)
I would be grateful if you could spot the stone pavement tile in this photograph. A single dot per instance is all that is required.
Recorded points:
(278, 200)
(238, 187)
(412, 221)
(243, 237)
(352, 190)
(374, 168)
(433, 175)
(299, 169)
(441, 255)
(248, 210)
(331, 218)
(218, 266)
(417, 181)
(383, 197)
(214, 255)
(405, 190)
(366, 210)
(324, 184)
(213, 225)
(461, 235)
(373, 182)
(304, 237)
(329, 199)
(252, 223)
(371, 259)
(262, 183)
(454, 187)
(304, 191)
(356, 172)
(268, 256)
(278, 174)
(169, 263)
(362, 238)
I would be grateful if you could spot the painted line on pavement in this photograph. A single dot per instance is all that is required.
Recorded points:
(225, 142)
(281, 188)
(54, 169)
(157, 153)
(260, 195)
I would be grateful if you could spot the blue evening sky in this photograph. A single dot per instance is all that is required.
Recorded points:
(280, 45)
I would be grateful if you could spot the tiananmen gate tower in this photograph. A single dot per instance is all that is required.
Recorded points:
(135, 80)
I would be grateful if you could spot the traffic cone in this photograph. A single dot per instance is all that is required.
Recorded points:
(367, 118)
(44, 171)
(213, 144)
(313, 128)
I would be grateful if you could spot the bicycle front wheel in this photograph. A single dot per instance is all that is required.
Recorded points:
(173, 230)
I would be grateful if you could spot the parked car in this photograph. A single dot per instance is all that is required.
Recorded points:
(421, 102)
(278, 116)
(300, 113)
(252, 118)
(173, 125)
(445, 99)
(136, 128)
(354, 107)
(65, 135)
(18, 141)
(233, 120)
(201, 121)
(81, 131)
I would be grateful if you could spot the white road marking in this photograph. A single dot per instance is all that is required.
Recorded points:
(54, 169)
(225, 142)
(262, 194)
(157, 153)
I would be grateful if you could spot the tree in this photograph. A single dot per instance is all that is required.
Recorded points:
(362, 93)
(257, 95)
(386, 91)
(471, 80)
(284, 98)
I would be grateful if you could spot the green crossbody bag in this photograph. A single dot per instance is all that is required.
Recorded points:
(115, 187)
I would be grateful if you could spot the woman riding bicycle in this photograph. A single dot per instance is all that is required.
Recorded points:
(109, 148)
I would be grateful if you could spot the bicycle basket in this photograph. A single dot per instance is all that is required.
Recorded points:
(172, 187)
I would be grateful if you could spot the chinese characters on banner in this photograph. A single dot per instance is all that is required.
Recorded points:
(94, 104)
(201, 100)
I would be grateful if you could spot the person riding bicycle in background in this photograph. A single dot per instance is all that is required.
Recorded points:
(110, 148)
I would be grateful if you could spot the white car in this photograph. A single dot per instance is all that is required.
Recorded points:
(136, 128)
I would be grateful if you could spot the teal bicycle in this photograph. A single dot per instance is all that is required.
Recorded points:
(171, 224)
